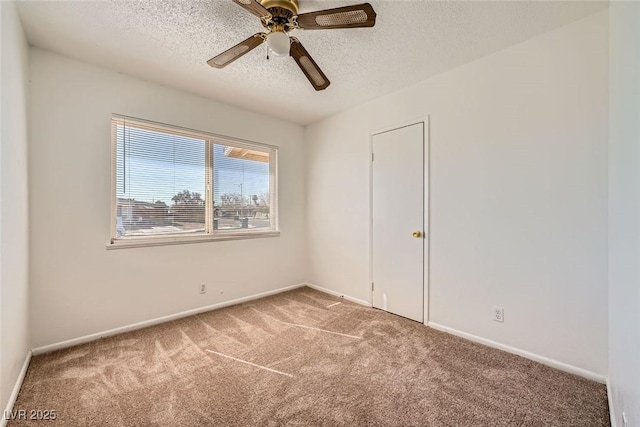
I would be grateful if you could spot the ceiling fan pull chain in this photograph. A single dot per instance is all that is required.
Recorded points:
(267, 46)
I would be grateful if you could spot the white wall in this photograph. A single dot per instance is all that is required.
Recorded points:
(78, 286)
(518, 194)
(624, 211)
(14, 236)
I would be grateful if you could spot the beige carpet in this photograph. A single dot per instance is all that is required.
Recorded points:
(300, 359)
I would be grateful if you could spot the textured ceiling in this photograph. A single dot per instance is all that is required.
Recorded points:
(170, 41)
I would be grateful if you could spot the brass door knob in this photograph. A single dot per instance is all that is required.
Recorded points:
(417, 234)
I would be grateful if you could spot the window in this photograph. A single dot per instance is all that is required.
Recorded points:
(173, 185)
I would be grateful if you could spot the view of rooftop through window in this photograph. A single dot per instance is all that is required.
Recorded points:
(162, 180)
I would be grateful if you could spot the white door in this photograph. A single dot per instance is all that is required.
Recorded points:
(398, 203)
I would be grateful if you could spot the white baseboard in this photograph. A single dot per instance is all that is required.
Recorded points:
(532, 356)
(338, 294)
(612, 415)
(151, 322)
(16, 390)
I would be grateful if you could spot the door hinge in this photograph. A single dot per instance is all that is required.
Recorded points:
(372, 287)
(372, 157)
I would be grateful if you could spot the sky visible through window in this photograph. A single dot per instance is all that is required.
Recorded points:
(154, 166)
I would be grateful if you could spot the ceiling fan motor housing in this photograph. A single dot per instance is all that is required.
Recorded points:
(282, 12)
(289, 5)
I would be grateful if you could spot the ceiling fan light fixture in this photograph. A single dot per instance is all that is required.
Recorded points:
(278, 42)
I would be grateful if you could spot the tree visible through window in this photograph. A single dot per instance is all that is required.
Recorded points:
(174, 182)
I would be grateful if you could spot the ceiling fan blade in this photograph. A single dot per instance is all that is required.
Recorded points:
(361, 15)
(308, 66)
(242, 48)
(254, 7)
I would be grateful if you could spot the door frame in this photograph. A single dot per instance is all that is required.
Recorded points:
(427, 213)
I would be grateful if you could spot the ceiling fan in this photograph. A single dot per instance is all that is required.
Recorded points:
(280, 17)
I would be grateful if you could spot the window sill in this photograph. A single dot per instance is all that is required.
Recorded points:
(181, 240)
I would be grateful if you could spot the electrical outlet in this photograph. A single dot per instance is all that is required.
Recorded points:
(498, 314)
(203, 288)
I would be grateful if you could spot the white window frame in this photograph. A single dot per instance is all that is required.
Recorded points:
(210, 234)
